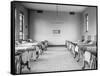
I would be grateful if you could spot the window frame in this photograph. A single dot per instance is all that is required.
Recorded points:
(21, 26)
(86, 22)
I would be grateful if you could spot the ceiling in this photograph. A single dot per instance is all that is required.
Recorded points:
(53, 7)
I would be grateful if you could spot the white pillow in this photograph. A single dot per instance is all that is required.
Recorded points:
(76, 48)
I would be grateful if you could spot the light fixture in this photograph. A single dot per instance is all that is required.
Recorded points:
(72, 13)
(39, 11)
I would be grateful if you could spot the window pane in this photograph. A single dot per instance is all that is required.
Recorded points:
(21, 25)
(86, 22)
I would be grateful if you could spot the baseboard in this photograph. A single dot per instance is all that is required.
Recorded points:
(56, 45)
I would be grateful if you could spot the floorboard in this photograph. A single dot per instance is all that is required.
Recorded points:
(55, 59)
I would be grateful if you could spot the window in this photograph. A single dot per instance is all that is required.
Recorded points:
(15, 13)
(21, 19)
(86, 22)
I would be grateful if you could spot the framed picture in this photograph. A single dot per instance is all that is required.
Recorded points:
(56, 31)
(31, 38)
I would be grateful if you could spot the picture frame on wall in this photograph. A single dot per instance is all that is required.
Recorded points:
(29, 48)
(56, 31)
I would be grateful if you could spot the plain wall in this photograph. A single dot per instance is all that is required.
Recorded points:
(41, 26)
(19, 9)
(92, 26)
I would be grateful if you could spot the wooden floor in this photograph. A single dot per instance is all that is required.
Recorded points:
(54, 59)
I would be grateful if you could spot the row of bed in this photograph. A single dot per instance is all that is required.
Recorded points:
(27, 51)
(84, 51)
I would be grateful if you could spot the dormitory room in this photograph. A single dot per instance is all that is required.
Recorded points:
(54, 37)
